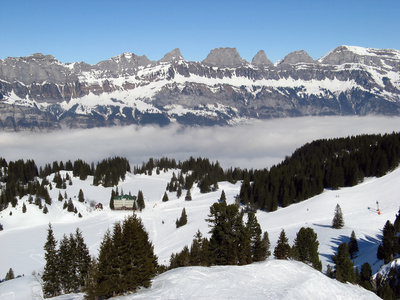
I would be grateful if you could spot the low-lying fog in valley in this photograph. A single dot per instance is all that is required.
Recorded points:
(257, 144)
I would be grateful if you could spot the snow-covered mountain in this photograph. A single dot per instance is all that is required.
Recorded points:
(24, 236)
(39, 92)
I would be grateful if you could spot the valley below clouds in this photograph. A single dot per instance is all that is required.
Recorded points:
(256, 144)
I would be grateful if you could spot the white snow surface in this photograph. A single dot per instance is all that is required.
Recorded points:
(24, 236)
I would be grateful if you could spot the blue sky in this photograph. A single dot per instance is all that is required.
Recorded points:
(93, 31)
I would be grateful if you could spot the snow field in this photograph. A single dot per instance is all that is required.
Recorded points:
(24, 235)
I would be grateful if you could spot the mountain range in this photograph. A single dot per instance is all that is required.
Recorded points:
(38, 92)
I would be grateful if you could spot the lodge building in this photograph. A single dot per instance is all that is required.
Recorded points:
(124, 202)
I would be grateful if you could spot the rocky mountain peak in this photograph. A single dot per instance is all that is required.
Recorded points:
(296, 57)
(173, 56)
(368, 56)
(224, 57)
(260, 59)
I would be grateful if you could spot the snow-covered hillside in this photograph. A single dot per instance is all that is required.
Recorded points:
(266, 280)
(24, 235)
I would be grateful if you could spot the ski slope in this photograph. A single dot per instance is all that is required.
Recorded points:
(24, 235)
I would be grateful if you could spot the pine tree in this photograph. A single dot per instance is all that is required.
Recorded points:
(23, 208)
(66, 265)
(266, 244)
(90, 287)
(188, 196)
(344, 267)
(103, 277)
(60, 197)
(390, 243)
(365, 276)
(81, 197)
(199, 250)
(179, 191)
(50, 277)
(182, 220)
(338, 221)
(140, 201)
(258, 248)
(306, 246)
(10, 275)
(165, 197)
(45, 209)
(282, 248)
(227, 230)
(353, 245)
(329, 272)
(222, 198)
(112, 199)
(82, 257)
(126, 260)
(70, 207)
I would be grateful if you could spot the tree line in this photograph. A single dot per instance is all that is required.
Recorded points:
(20, 178)
(326, 163)
(126, 262)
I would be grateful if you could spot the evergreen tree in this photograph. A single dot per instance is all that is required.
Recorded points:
(179, 191)
(165, 197)
(353, 245)
(60, 197)
(182, 220)
(223, 197)
(90, 287)
(266, 244)
(282, 248)
(140, 201)
(227, 230)
(50, 277)
(112, 199)
(81, 197)
(338, 221)
(390, 243)
(45, 209)
(188, 196)
(23, 208)
(70, 207)
(258, 247)
(82, 257)
(344, 267)
(66, 265)
(199, 250)
(306, 247)
(365, 276)
(10, 275)
(126, 260)
(103, 277)
(329, 272)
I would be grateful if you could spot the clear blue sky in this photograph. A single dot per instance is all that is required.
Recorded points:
(93, 31)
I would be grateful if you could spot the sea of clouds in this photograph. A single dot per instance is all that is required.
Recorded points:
(258, 144)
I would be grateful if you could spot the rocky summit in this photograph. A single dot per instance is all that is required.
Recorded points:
(39, 92)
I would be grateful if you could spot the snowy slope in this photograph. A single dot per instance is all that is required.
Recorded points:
(24, 234)
(266, 280)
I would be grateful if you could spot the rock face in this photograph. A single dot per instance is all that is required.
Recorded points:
(260, 59)
(224, 57)
(38, 92)
(173, 56)
(297, 57)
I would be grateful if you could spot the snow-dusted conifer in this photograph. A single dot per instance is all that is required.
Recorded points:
(338, 221)
(51, 279)
(282, 249)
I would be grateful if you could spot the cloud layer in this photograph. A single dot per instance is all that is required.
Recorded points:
(257, 145)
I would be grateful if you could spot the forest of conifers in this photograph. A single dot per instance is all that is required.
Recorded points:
(326, 163)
